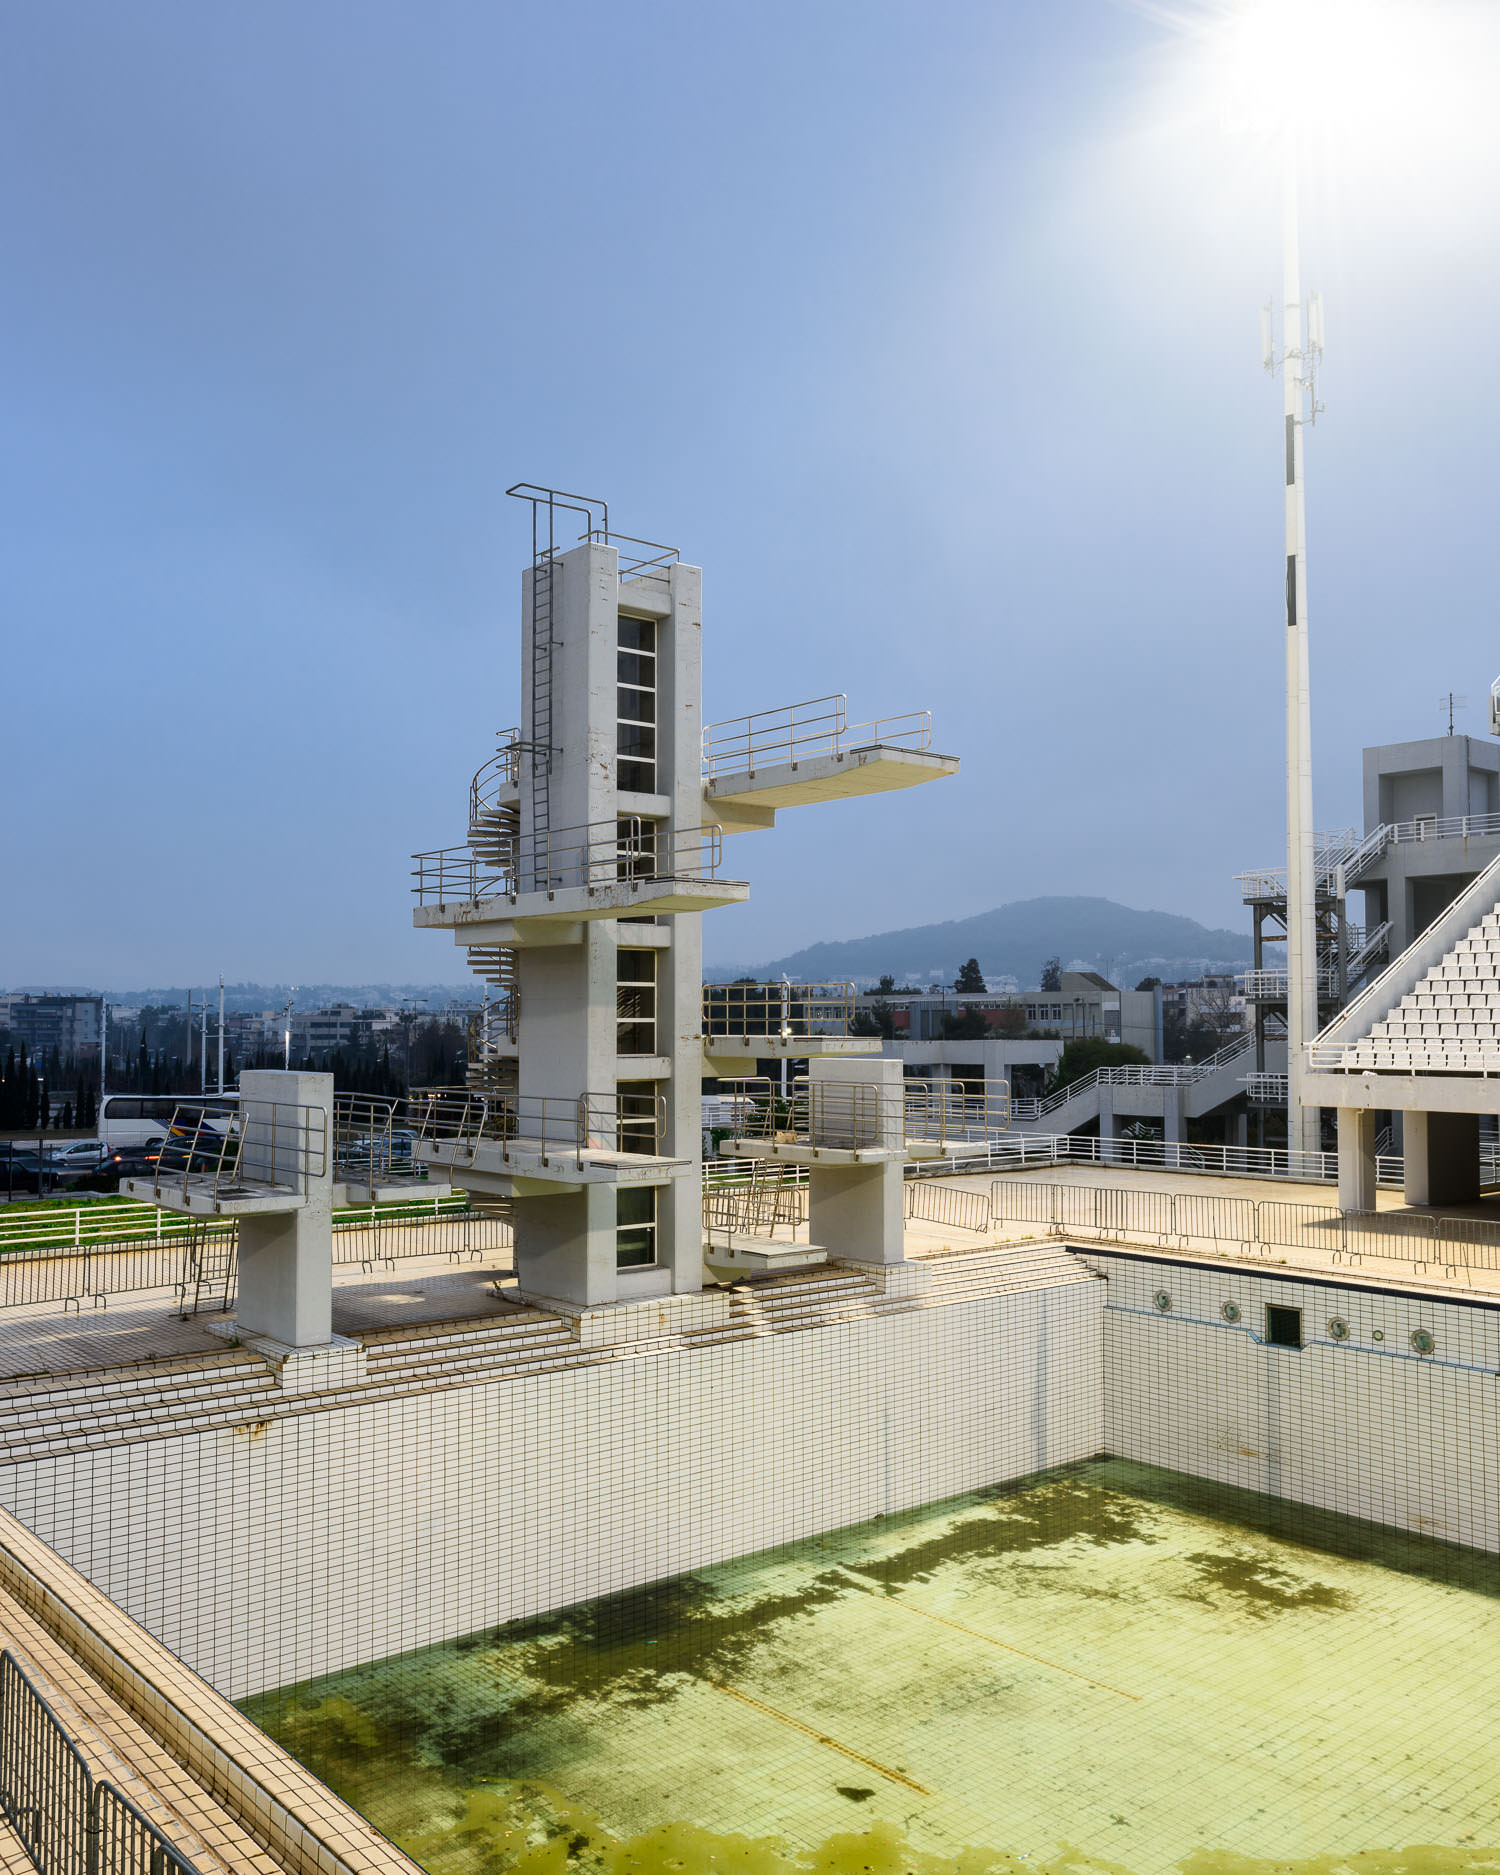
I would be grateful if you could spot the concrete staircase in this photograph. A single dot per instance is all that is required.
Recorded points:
(49, 1416)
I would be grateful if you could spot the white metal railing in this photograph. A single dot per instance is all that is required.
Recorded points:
(1445, 827)
(1414, 1054)
(1139, 1074)
(797, 731)
(597, 856)
(1347, 850)
(266, 1146)
(1369, 947)
(1269, 986)
(869, 1116)
(1267, 1090)
(778, 1009)
(461, 1120)
(501, 771)
(1331, 851)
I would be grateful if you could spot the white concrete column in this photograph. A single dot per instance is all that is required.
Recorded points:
(1356, 1159)
(1174, 1124)
(286, 1257)
(858, 1211)
(1441, 1158)
(1108, 1129)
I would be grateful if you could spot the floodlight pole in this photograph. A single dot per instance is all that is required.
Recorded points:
(1303, 1132)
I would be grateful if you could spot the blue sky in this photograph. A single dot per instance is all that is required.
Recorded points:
(929, 331)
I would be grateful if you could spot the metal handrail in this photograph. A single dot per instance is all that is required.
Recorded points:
(502, 770)
(1444, 827)
(629, 1123)
(795, 731)
(1331, 851)
(1270, 985)
(366, 1145)
(1354, 855)
(596, 856)
(1140, 1074)
(1424, 1055)
(785, 1010)
(857, 1116)
(269, 1145)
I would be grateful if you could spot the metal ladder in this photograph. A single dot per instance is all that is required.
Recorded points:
(543, 569)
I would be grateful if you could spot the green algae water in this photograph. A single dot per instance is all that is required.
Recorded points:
(1108, 1668)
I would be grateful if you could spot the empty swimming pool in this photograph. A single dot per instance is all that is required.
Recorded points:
(1108, 1667)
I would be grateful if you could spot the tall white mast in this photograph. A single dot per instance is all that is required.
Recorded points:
(1301, 875)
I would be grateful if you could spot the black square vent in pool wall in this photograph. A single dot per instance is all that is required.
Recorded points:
(1283, 1326)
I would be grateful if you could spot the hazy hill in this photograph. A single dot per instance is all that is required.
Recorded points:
(1016, 941)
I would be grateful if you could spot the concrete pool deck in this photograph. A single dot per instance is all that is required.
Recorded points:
(38, 1339)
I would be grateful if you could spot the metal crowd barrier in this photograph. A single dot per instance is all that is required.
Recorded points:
(952, 1205)
(70, 1822)
(202, 1260)
(1256, 1226)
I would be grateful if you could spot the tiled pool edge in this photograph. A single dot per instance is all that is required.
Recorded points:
(280, 1804)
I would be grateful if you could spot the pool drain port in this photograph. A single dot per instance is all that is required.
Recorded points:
(1422, 1341)
(1338, 1328)
(1231, 1312)
(1163, 1301)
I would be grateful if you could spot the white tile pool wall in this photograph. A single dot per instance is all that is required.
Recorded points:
(1365, 1426)
(264, 1555)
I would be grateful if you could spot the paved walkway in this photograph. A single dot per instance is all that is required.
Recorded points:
(46, 1338)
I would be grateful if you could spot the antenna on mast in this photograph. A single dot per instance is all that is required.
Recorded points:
(1450, 703)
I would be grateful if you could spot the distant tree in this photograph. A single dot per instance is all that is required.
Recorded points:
(1083, 1057)
(878, 1019)
(1149, 983)
(1052, 974)
(885, 986)
(970, 981)
(66, 1122)
(964, 1025)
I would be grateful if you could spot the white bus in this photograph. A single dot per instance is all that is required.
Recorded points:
(141, 1119)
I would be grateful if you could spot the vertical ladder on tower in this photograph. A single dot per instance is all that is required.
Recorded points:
(546, 503)
(542, 574)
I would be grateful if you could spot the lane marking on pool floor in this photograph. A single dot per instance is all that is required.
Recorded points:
(822, 1738)
(898, 1601)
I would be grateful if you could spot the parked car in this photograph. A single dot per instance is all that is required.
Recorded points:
(77, 1155)
(130, 1162)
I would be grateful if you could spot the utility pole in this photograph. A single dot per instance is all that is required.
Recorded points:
(221, 1031)
(1299, 406)
(203, 1043)
(286, 1018)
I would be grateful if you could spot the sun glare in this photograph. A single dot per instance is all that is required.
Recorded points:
(1369, 73)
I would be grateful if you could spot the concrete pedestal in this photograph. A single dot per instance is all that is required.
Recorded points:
(1357, 1168)
(286, 1257)
(857, 1212)
(1441, 1155)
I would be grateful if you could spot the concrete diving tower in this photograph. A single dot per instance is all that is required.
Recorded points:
(594, 843)
(805, 752)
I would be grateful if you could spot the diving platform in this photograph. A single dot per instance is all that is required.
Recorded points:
(519, 1145)
(801, 753)
(747, 801)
